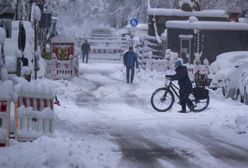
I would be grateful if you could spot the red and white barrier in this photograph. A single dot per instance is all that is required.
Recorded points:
(57, 69)
(4, 122)
(107, 45)
(34, 118)
(111, 51)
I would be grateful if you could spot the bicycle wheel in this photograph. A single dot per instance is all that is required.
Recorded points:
(162, 99)
(200, 104)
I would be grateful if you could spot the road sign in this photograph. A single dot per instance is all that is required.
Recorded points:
(134, 22)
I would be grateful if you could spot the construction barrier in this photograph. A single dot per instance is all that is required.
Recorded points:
(4, 122)
(34, 117)
(104, 47)
(111, 51)
(64, 63)
(57, 69)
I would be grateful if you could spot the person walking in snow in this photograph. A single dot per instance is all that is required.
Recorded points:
(185, 85)
(85, 48)
(130, 60)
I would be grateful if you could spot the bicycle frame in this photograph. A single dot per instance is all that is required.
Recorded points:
(173, 87)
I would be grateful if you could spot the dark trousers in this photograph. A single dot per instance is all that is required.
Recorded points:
(184, 100)
(85, 57)
(130, 69)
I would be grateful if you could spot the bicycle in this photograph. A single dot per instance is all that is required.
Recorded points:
(163, 98)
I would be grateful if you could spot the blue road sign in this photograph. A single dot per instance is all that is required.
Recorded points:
(134, 22)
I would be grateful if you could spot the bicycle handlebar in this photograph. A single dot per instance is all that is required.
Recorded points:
(169, 78)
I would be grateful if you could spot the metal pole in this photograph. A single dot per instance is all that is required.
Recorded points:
(1, 62)
(35, 49)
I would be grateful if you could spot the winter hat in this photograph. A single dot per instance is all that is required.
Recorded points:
(178, 63)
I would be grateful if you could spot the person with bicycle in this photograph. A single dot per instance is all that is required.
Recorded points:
(185, 85)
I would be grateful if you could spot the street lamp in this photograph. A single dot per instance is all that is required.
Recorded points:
(2, 60)
(36, 18)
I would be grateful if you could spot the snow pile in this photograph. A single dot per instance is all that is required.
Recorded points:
(241, 123)
(41, 88)
(7, 90)
(148, 63)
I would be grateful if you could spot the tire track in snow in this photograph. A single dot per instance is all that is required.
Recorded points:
(139, 152)
(223, 151)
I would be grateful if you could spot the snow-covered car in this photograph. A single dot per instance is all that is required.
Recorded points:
(103, 32)
(233, 85)
(243, 86)
(225, 63)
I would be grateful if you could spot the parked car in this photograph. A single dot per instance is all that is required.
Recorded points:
(246, 95)
(103, 32)
(233, 83)
(225, 63)
(243, 85)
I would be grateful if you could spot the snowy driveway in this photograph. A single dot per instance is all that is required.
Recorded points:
(103, 122)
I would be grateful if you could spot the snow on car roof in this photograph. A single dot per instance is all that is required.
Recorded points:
(229, 60)
(207, 25)
(179, 12)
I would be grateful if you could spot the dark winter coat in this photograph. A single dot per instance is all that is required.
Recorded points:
(183, 79)
(85, 47)
(130, 59)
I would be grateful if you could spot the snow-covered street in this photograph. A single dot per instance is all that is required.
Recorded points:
(104, 122)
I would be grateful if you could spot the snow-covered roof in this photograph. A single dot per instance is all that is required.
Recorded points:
(62, 39)
(179, 12)
(207, 25)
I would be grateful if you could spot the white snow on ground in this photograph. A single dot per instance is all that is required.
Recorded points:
(105, 123)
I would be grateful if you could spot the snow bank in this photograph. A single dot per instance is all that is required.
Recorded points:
(241, 124)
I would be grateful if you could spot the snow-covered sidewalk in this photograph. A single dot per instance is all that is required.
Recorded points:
(105, 123)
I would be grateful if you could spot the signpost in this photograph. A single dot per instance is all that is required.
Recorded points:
(133, 22)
